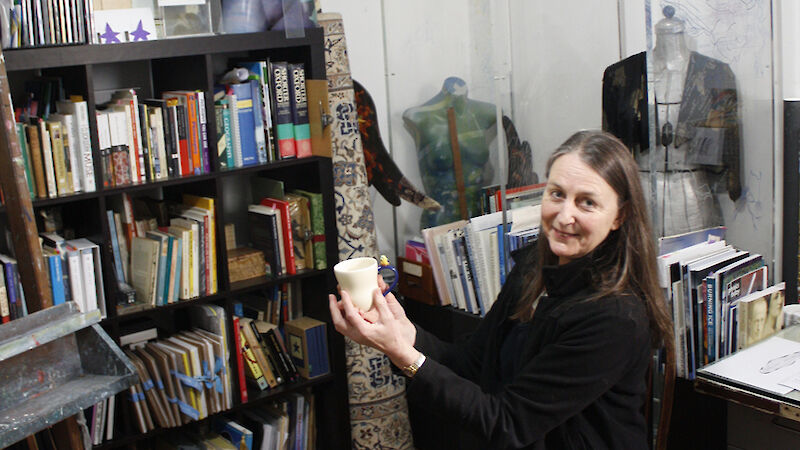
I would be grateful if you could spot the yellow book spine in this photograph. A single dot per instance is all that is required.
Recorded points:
(250, 360)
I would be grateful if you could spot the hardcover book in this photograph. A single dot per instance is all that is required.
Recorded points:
(299, 104)
(284, 126)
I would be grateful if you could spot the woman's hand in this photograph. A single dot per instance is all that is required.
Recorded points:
(384, 327)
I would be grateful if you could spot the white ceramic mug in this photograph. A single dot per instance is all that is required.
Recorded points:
(359, 277)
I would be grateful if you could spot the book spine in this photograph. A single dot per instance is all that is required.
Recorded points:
(299, 103)
(251, 361)
(5, 311)
(203, 122)
(710, 319)
(222, 137)
(57, 152)
(183, 140)
(284, 127)
(273, 366)
(36, 159)
(56, 278)
(86, 159)
(23, 147)
(47, 156)
(194, 134)
(237, 341)
(258, 121)
(287, 365)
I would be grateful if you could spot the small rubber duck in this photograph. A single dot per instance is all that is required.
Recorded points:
(384, 261)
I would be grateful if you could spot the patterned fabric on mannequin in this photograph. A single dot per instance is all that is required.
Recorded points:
(378, 409)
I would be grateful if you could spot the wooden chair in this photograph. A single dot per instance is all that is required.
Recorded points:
(658, 432)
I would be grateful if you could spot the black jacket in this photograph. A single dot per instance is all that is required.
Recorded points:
(581, 382)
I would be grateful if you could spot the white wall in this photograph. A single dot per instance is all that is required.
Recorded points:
(555, 56)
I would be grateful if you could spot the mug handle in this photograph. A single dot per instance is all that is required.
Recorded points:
(396, 278)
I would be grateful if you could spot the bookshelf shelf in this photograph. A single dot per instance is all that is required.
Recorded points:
(194, 63)
(72, 55)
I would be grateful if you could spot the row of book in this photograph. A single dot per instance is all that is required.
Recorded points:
(468, 257)
(165, 252)
(516, 197)
(261, 113)
(288, 227)
(183, 377)
(715, 291)
(285, 423)
(145, 140)
(49, 22)
(57, 151)
(75, 272)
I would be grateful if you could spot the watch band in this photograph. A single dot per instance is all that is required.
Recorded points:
(411, 369)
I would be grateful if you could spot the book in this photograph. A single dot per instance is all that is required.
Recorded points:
(282, 206)
(32, 131)
(317, 216)
(301, 231)
(253, 372)
(264, 229)
(91, 270)
(207, 204)
(243, 397)
(26, 159)
(308, 347)
(72, 153)
(246, 121)
(82, 140)
(299, 104)
(255, 343)
(145, 255)
(259, 71)
(233, 432)
(57, 153)
(284, 126)
(5, 310)
(761, 314)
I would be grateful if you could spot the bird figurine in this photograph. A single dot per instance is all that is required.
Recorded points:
(382, 172)
(520, 158)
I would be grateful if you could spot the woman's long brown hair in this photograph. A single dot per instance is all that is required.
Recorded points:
(626, 260)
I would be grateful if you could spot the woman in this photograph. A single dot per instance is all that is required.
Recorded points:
(560, 359)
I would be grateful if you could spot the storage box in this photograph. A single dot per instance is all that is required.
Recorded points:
(245, 263)
(416, 281)
(54, 363)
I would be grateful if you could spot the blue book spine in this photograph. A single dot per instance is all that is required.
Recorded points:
(162, 265)
(247, 123)
(710, 318)
(12, 290)
(56, 278)
(167, 268)
(112, 228)
(178, 268)
(501, 260)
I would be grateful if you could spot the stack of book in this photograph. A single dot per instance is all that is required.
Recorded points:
(288, 227)
(40, 22)
(265, 362)
(468, 258)
(284, 423)
(54, 141)
(261, 113)
(145, 140)
(166, 253)
(184, 377)
(714, 291)
(517, 197)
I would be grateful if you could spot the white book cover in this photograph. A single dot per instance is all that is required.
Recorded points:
(76, 279)
(125, 107)
(453, 266)
(47, 156)
(186, 260)
(80, 113)
(441, 277)
(193, 266)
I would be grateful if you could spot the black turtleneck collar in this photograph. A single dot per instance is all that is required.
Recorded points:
(568, 279)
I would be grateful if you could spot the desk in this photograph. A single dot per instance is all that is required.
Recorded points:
(757, 416)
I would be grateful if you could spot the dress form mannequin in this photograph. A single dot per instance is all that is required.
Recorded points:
(475, 126)
(696, 156)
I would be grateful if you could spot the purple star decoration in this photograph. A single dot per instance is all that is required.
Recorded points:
(139, 34)
(110, 35)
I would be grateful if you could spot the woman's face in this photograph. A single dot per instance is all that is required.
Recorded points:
(579, 208)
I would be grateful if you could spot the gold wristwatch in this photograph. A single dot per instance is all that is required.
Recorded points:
(411, 369)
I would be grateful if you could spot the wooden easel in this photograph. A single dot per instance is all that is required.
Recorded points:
(21, 220)
(458, 170)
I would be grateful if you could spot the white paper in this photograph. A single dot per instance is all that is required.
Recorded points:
(526, 218)
(766, 365)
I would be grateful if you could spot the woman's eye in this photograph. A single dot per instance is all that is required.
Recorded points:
(588, 203)
(556, 194)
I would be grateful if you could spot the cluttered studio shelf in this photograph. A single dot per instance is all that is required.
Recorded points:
(173, 212)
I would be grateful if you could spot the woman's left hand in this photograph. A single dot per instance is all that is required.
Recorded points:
(385, 331)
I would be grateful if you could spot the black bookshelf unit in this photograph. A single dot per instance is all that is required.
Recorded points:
(196, 63)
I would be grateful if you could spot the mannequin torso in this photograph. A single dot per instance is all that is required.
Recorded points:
(475, 126)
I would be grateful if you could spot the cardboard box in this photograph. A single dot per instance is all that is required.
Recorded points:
(245, 263)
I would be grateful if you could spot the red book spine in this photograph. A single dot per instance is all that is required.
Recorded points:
(286, 224)
(239, 361)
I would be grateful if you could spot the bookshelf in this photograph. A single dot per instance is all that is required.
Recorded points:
(195, 63)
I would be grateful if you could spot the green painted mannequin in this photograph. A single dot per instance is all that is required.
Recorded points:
(476, 128)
